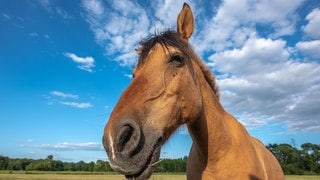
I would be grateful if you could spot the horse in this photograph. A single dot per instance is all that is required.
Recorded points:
(172, 86)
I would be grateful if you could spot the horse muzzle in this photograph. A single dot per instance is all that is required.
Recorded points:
(132, 150)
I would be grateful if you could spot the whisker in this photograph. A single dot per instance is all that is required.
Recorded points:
(155, 163)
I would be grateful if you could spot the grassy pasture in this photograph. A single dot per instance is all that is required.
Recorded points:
(82, 177)
(298, 177)
(92, 176)
(38, 175)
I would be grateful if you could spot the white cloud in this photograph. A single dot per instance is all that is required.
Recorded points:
(306, 108)
(60, 98)
(6, 16)
(310, 48)
(312, 28)
(128, 76)
(33, 34)
(94, 6)
(63, 13)
(165, 13)
(260, 83)
(64, 95)
(119, 26)
(45, 4)
(257, 53)
(118, 29)
(85, 63)
(280, 14)
(236, 21)
(53, 9)
(67, 146)
(77, 104)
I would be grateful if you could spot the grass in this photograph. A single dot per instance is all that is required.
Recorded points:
(298, 177)
(63, 175)
(38, 175)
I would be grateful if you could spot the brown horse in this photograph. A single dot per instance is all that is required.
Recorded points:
(171, 87)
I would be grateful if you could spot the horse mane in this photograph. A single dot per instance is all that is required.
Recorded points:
(171, 38)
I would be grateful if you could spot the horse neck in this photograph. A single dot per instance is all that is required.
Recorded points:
(210, 132)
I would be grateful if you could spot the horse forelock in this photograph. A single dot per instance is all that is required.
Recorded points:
(171, 38)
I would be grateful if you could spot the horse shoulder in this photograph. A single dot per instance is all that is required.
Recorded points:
(249, 155)
(269, 163)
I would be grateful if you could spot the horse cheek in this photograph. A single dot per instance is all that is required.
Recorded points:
(191, 102)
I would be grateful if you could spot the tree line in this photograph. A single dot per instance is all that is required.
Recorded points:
(49, 164)
(305, 160)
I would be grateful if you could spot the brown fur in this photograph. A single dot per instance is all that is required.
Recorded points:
(171, 38)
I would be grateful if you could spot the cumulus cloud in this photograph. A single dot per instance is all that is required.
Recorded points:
(309, 48)
(84, 63)
(165, 14)
(237, 21)
(305, 106)
(94, 6)
(312, 28)
(68, 146)
(260, 83)
(119, 28)
(259, 80)
(257, 53)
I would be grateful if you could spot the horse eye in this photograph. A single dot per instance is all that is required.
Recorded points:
(177, 60)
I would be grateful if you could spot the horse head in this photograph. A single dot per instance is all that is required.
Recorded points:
(163, 95)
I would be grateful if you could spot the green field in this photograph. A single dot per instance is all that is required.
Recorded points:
(296, 177)
(38, 175)
(89, 176)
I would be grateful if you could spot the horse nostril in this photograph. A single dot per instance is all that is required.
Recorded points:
(128, 138)
(124, 137)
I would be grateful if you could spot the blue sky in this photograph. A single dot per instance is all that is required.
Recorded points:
(64, 64)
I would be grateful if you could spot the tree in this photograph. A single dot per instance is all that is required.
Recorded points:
(67, 166)
(81, 166)
(288, 157)
(58, 166)
(91, 166)
(100, 166)
(311, 157)
(4, 162)
(50, 157)
(15, 164)
(172, 165)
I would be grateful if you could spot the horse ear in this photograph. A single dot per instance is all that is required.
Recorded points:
(185, 22)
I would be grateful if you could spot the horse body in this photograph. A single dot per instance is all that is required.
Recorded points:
(171, 87)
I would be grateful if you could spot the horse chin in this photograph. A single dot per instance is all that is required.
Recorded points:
(141, 165)
(149, 167)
